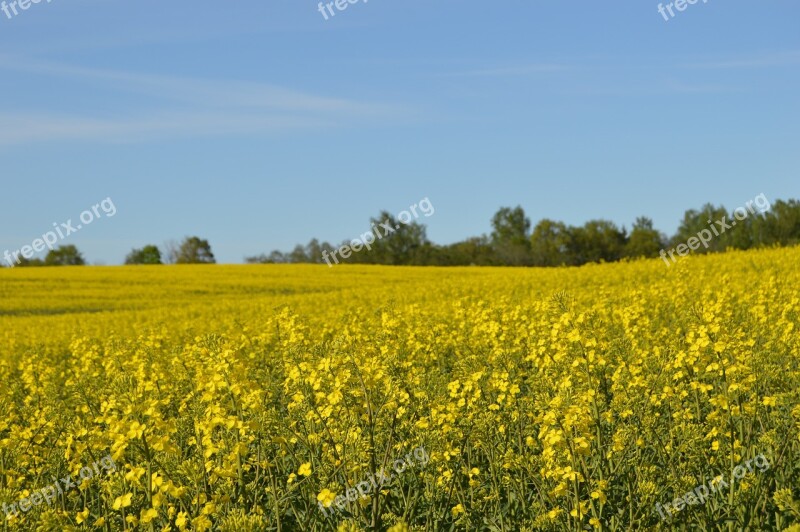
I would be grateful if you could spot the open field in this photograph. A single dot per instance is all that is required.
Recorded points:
(263, 397)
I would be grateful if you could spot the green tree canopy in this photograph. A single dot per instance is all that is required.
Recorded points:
(598, 240)
(194, 250)
(645, 240)
(64, 256)
(510, 236)
(147, 255)
(23, 262)
(780, 225)
(551, 244)
(695, 221)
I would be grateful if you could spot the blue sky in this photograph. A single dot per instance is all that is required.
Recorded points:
(259, 124)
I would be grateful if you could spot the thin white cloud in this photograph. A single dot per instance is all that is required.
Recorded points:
(780, 59)
(521, 70)
(698, 88)
(650, 88)
(193, 107)
(21, 128)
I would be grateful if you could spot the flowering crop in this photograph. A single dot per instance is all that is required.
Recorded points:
(244, 397)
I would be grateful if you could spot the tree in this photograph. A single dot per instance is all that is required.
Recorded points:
(147, 255)
(23, 262)
(408, 243)
(551, 244)
(781, 224)
(64, 256)
(510, 236)
(695, 221)
(276, 257)
(598, 240)
(399, 243)
(510, 225)
(475, 251)
(256, 259)
(171, 251)
(644, 241)
(298, 255)
(314, 251)
(193, 250)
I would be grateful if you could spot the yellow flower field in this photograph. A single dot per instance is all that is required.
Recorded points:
(244, 398)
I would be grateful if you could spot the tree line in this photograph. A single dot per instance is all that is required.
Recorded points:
(191, 250)
(512, 242)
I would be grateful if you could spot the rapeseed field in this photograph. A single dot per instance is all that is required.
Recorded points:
(625, 396)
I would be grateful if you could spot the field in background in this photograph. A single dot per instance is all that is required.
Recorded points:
(254, 397)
